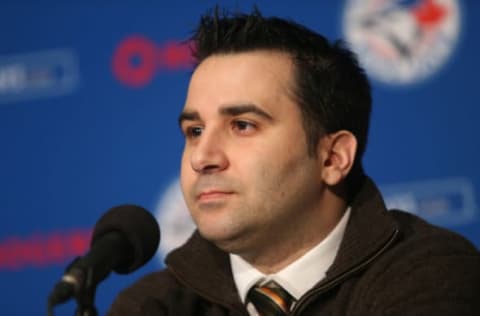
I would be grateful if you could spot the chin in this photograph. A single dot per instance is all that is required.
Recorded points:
(228, 241)
(214, 234)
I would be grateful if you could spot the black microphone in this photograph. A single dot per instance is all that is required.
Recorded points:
(124, 239)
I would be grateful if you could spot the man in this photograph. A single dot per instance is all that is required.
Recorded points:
(275, 124)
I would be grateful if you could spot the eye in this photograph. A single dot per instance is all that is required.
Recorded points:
(244, 127)
(193, 131)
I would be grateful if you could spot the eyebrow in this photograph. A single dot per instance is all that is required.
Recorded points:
(238, 109)
(188, 116)
(228, 110)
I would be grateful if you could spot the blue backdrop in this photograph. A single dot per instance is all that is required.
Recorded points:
(89, 99)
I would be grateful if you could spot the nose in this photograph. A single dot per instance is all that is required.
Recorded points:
(208, 155)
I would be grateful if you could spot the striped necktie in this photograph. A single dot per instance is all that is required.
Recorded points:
(270, 299)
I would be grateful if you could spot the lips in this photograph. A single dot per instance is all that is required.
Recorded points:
(213, 195)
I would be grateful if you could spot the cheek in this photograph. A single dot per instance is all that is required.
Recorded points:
(185, 175)
(267, 181)
(185, 157)
(290, 176)
(186, 165)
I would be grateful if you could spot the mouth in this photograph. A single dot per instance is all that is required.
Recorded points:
(212, 195)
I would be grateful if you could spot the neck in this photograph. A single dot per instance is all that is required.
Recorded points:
(300, 236)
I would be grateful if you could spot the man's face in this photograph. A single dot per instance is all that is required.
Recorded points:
(246, 174)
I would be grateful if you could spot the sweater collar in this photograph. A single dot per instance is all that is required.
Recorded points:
(369, 230)
(206, 269)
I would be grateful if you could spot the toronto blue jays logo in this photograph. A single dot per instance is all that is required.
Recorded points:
(402, 42)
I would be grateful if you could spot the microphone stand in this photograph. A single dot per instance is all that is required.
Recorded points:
(82, 287)
(86, 302)
(85, 297)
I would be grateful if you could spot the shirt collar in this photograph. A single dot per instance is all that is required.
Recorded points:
(302, 274)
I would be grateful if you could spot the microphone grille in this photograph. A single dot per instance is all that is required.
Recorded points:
(138, 227)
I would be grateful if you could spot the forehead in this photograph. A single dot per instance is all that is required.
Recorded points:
(257, 77)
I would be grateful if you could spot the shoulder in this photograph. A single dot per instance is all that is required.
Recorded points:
(424, 250)
(434, 254)
(429, 270)
(144, 294)
(423, 239)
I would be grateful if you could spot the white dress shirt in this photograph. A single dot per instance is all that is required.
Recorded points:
(299, 276)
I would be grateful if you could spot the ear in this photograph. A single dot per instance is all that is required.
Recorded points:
(337, 152)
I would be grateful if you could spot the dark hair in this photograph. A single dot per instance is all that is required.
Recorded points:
(330, 87)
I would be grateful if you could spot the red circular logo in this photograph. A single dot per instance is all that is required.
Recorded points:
(137, 59)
